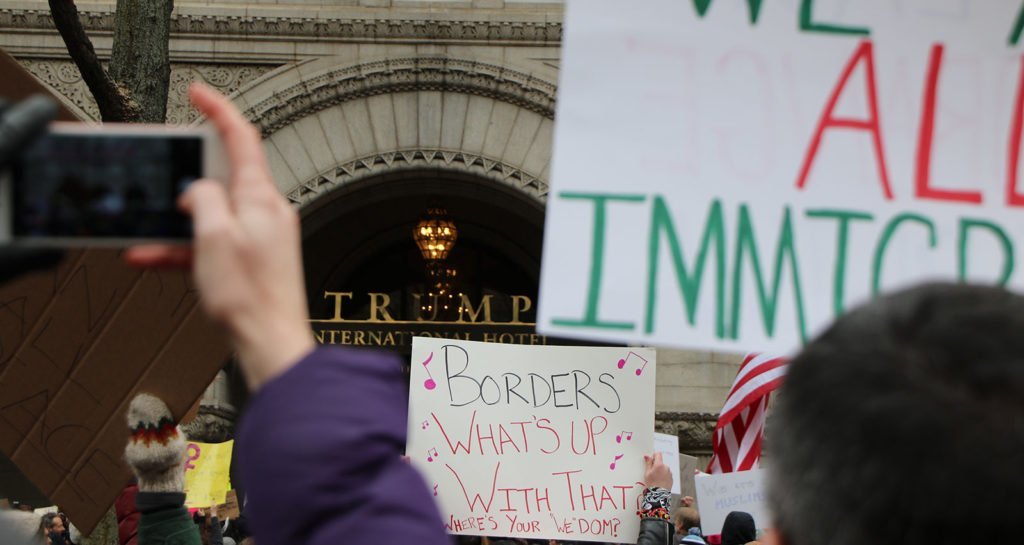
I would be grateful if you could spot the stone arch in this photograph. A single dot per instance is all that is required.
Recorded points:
(327, 126)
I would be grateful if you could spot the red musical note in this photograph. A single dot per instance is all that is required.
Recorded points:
(431, 454)
(627, 434)
(429, 383)
(623, 361)
(617, 458)
(192, 456)
(435, 489)
(425, 425)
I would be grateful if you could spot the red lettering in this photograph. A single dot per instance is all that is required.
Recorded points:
(1013, 198)
(863, 54)
(922, 187)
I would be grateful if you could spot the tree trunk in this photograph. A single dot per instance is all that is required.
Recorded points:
(140, 61)
(114, 103)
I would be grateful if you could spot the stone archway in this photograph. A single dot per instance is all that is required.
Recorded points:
(337, 125)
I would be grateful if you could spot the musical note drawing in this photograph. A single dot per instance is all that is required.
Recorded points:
(627, 434)
(435, 489)
(425, 425)
(617, 458)
(431, 454)
(192, 456)
(623, 361)
(429, 383)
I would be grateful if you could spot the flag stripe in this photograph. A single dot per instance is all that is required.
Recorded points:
(738, 435)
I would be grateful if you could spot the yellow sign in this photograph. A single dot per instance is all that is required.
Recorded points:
(207, 478)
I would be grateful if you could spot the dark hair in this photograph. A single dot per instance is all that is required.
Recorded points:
(46, 523)
(900, 404)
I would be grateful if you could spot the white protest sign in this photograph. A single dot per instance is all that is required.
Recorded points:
(720, 494)
(668, 446)
(532, 441)
(732, 174)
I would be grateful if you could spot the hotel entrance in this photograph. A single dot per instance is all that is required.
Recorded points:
(423, 253)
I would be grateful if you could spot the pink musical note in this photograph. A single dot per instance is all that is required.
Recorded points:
(431, 454)
(627, 434)
(429, 383)
(624, 361)
(193, 455)
(617, 458)
(425, 425)
(435, 489)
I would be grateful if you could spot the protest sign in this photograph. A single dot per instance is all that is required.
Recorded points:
(77, 343)
(207, 473)
(687, 469)
(720, 494)
(229, 509)
(533, 441)
(668, 446)
(732, 175)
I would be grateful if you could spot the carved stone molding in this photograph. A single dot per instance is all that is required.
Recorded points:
(693, 429)
(317, 26)
(63, 76)
(402, 75)
(414, 159)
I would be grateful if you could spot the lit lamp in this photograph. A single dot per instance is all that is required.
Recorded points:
(435, 235)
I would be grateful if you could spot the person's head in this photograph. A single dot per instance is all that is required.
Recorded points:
(686, 518)
(738, 529)
(51, 522)
(900, 410)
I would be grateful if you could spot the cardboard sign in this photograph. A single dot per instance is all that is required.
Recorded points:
(720, 494)
(533, 441)
(229, 509)
(732, 175)
(688, 466)
(207, 473)
(668, 446)
(76, 344)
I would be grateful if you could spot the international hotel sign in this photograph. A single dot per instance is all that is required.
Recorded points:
(477, 319)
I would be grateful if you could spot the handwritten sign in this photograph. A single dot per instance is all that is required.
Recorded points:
(668, 446)
(229, 509)
(534, 442)
(720, 494)
(731, 175)
(207, 473)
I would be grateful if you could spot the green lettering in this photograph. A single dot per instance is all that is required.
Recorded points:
(842, 244)
(747, 244)
(689, 284)
(1008, 262)
(597, 260)
(754, 5)
(808, 23)
(1018, 27)
(883, 243)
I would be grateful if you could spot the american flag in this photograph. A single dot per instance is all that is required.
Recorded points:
(736, 442)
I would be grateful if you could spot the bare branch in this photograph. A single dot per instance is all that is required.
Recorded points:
(114, 103)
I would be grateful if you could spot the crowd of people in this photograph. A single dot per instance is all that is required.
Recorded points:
(902, 418)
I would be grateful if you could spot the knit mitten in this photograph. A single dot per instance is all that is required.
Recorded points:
(156, 449)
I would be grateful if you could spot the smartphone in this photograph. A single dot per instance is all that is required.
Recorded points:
(110, 185)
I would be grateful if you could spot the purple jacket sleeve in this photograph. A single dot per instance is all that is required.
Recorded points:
(319, 452)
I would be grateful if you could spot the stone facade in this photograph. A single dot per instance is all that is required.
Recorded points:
(345, 90)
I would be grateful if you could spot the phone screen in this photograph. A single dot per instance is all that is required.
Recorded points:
(104, 186)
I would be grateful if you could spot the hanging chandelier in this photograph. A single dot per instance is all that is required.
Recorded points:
(435, 235)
